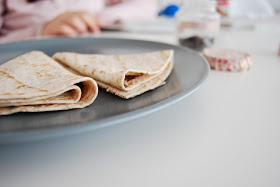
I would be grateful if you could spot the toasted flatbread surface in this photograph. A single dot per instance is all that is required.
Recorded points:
(34, 82)
(124, 75)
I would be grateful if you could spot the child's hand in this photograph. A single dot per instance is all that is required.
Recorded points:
(71, 24)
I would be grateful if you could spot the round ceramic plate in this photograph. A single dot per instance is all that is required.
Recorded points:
(190, 71)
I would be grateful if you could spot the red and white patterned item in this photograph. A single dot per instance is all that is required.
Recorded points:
(228, 60)
(223, 7)
(279, 50)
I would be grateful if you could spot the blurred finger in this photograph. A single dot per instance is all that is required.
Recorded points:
(77, 24)
(91, 22)
(66, 30)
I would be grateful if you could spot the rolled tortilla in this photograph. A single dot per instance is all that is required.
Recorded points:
(34, 82)
(124, 75)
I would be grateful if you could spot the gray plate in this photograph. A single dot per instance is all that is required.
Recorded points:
(190, 71)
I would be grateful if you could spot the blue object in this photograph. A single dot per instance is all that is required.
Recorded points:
(169, 10)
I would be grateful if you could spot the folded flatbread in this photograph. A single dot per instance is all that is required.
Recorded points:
(35, 82)
(124, 75)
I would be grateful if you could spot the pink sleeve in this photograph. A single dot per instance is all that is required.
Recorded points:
(25, 34)
(1, 12)
(128, 10)
(24, 20)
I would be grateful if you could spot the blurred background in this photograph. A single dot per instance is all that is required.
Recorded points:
(27, 19)
(197, 27)
(234, 14)
(239, 7)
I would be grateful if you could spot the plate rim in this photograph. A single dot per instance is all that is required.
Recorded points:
(60, 131)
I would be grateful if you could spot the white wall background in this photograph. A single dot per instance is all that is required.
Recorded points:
(267, 6)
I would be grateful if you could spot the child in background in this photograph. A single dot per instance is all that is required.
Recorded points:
(25, 19)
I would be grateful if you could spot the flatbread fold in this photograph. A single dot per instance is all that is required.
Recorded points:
(124, 75)
(35, 82)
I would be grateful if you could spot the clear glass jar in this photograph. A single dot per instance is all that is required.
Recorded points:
(198, 23)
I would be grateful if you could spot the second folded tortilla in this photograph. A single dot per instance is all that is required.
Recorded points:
(124, 75)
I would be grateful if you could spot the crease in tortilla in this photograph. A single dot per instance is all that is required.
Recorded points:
(34, 82)
(124, 75)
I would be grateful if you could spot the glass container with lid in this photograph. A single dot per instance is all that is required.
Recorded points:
(198, 23)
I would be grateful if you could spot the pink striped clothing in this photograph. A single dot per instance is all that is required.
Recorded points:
(20, 19)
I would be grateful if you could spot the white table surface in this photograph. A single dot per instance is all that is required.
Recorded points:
(225, 134)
